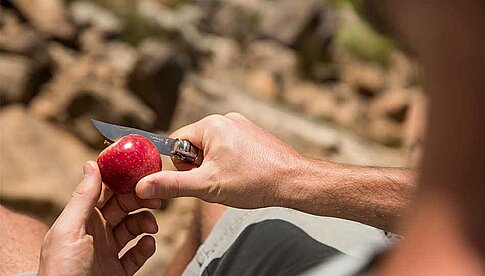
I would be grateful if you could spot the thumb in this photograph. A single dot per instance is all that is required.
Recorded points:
(84, 197)
(170, 184)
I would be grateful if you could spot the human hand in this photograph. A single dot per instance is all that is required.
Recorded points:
(244, 165)
(92, 229)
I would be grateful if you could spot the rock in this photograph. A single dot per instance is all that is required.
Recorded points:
(387, 114)
(263, 85)
(122, 57)
(307, 27)
(403, 72)
(61, 56)
(86, 13)
(20, 78)
(316, 101)
(156, 79)
(366, 79)
(286, 20)
(223, 56)
(48, 16)
(14, 76)
(18, 38)
(40, 162)
(272, 57)
(350, 109)
(392, 105)
(385, 131)
(180, 23)
(91, 41)
(88, 88)
(201, 97)
(234, 19)
(356, 38)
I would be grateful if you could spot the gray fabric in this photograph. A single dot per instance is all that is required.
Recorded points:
(271, 247)
(351, 238)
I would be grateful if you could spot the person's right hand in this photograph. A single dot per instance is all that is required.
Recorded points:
(244, 166)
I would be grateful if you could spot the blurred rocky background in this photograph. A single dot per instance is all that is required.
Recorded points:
(312, 72)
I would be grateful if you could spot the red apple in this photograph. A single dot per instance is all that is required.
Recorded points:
(126, 161)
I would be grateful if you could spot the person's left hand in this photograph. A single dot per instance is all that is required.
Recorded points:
(92, 229)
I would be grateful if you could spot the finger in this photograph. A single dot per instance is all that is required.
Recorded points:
(195, 132)
(106, 194)
(182, 165)
(84, 197)
(236, 117)
(134, 225)
(119, 206)
(190, 132)
(138, 255)
(171, 184)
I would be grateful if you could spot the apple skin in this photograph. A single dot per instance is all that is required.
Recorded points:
(125, 162)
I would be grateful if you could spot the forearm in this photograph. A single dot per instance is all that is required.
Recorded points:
(370, 195)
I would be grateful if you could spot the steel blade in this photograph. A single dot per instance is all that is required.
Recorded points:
(113, 132)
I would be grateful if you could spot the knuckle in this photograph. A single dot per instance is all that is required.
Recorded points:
(216, 122)
(213, 117)
(170, 187)
(213, 184)
(235, 116)
(79, 192)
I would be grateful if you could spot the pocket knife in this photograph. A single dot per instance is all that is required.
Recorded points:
(179, 148)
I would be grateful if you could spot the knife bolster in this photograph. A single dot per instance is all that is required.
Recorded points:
(185, 151)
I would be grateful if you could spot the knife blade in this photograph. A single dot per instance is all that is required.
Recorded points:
(179, 148)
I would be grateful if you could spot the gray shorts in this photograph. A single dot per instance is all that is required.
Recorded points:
(275, 228)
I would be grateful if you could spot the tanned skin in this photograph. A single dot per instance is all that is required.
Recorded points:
(245, 166)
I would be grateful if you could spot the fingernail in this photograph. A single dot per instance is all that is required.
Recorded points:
(149, 191)
(88, 168)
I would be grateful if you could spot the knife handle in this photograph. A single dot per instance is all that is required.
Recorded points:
(187, 152)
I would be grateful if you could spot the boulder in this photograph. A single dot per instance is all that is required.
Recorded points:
(366, 79)
(315, 100)
(14, 76)
(17, 37)
(387, 114)
(235, 19)
(306, 26)
(385, 131)
(48, 16)
(20, 78)
(40, 162)
(122, 57)
(393, 105)
(274, 58)
(86, 13)
(89, 88)
(350, 109)
(180, 23)
(223, 56)
(286, 20)
(61, 56)
(263, 85)
(403, 71)
(156, 79)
